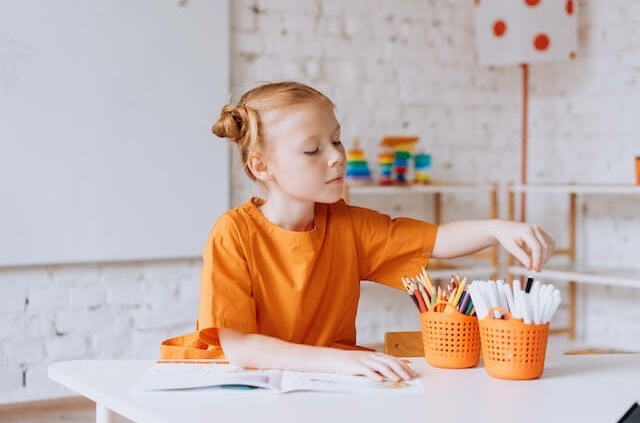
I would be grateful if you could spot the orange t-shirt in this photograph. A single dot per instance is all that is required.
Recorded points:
(299, 286)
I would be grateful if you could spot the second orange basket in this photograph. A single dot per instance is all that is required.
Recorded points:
(451, 339)
(512, 349)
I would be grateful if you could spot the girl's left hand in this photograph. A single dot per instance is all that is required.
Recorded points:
(531, 245)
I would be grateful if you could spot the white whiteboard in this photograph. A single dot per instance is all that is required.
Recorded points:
(106, 152)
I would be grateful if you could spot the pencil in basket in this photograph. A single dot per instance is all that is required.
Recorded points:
(514, 326)
(425, 295)
(449, 329)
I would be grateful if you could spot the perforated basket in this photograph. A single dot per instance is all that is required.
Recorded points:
(450, 340)
(512, 349)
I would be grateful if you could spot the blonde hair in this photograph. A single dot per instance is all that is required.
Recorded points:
(241, 123)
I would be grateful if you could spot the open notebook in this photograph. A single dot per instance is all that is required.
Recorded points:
(180, 376)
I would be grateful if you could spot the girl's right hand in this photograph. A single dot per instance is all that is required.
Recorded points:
(375, 365)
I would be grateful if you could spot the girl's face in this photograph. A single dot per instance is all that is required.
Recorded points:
(304, 154)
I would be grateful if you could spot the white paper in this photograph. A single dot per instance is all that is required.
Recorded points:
(179, 376)
(332, 382)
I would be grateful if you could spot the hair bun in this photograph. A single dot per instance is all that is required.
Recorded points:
(232, 123)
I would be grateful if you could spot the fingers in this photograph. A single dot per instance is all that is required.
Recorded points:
(536, 249)
(528, 243)
(518, 252)
(368, 372)
(546, 242)
(381, 368)
(389, 367)
(401, 368)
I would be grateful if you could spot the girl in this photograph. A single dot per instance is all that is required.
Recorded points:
(281, 275)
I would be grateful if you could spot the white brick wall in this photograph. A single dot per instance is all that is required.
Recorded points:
(391, 66)
(88, 311)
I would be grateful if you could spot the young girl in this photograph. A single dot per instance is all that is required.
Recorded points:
(281, 276)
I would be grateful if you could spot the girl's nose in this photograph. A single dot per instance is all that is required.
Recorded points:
(337, 158)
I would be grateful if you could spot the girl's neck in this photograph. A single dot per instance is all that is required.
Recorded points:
(288, 213)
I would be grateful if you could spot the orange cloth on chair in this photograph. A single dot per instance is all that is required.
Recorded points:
(299, 286)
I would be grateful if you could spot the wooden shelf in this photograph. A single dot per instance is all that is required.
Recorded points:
(575, 273)
(420, 189)
(600, 276)
(577, 188)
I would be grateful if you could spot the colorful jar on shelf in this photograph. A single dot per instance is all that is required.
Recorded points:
(401, 165)
(357, 167)
(385, 162)
(422, 168)
(403, 148)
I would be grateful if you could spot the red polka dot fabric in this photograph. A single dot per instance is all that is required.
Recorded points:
(525, 31)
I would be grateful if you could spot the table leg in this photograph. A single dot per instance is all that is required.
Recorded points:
(103, 414)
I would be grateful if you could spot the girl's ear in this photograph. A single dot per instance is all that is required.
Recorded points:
(258, 166)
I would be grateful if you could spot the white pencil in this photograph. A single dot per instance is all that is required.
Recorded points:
(555, 302)
(545, 301)
(478, 300)
(526, 307)
(492, 291)
(510, 300)
(501, 295)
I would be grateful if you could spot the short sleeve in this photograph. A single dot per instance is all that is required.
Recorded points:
(389, 249)
(226, 297)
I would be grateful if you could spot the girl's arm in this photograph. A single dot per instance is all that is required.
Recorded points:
(528, 243)
(266, 352)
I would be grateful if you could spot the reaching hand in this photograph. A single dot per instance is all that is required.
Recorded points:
(531, 245)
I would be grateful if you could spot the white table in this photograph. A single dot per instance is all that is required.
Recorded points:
(586, 388)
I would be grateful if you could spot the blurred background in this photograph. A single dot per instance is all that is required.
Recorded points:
(110, 178)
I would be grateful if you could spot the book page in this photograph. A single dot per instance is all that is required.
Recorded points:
(160, 377)
(333, 382)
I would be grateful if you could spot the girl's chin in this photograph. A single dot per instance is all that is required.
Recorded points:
(330, 197)
(329, 193)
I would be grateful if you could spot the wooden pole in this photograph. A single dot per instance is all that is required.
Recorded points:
(572, 259)
(437, 207)
(523, 164)
(494, 215)
(511, 205)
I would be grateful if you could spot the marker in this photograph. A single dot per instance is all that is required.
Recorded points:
(492, 290)
(501, 295)
(529, 283)
(516, 286)
(525, 307)
(478, 299)
(509, 296)
(545, 301)
(554, 305)
(535, 304)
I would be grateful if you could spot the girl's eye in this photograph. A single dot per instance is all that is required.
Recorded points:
(310, 153)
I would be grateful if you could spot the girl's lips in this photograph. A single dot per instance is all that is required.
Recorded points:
(338, 179)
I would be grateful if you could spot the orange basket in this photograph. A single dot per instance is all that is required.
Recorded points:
(451, 340)
(512, 349)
